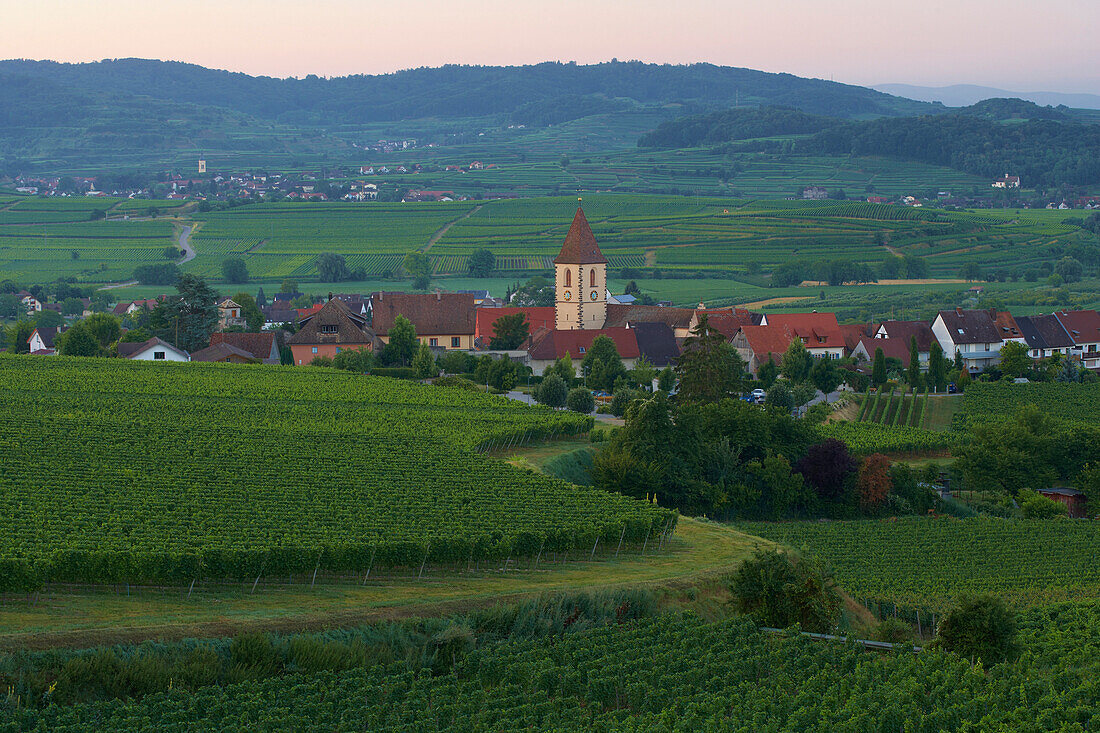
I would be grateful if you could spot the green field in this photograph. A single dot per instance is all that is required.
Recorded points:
(686, 235)
(987, 400)
(203, 471)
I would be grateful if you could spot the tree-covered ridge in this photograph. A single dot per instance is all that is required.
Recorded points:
(1042, 145)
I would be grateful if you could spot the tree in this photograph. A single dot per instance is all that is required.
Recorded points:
(970, 271)
(402, 344)
(781, 592)
(563, 367)
(419, 265)
(552, 392)
(288, 286)
(667, 379)
(963, 380)
(10, 306)
(17, 335)
(878, 369)
(797, 362)
(874, 482)
(509, 332)
(959, 363)
(644, 372)
(580, 400)
(1069, 269)
(779, 396)
(47, 318)
(253, 316)
(1069, 372)
(1034, 505)
(482, 263)
(768, 373)
(538, 292)
(980, 628)
(164, 274)
(104, 327)
(937, 368)
(826, 467)
(1088, 483)
(913, 374)
(234, 270)
(1015, 361)
(602, 364)
(331, 267)
(825, 376)
(709, 369)
(193, 315)
(424, 362)
(77, 341)
(72, 306)
(353, 360)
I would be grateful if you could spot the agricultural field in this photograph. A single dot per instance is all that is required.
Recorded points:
(894, 409)
(663, 673)
(928, 563)
(868, 437)
(985, 400)
(169, 473)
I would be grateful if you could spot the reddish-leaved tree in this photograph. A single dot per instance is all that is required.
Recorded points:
(873, 482)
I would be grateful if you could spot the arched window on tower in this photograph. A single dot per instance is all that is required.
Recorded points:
(568, 278)
(592, 277)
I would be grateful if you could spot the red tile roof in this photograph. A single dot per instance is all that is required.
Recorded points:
(536, 318)
(817, 330)
(445, 314)
(765, 340)
(853, 332)
(1083, 326)
(334, 323)
(580, 246)
(907, 330)
(892, 348)
(556, 344)
(258, 345)
(620, 316)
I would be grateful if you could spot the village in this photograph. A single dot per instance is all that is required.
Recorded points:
(585, 310)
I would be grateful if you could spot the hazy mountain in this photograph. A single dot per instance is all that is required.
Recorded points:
(961, 95)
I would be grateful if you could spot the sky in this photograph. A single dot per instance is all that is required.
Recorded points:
(1020, 45)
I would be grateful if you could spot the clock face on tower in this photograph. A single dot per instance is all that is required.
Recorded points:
(568, 295)
(595, 295)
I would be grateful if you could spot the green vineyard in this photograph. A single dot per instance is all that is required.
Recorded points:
(671, 673)
(117, 471)
(865, 437)
(929, 563)
(986, 400)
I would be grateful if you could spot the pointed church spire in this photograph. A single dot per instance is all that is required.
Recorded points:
(580, 246)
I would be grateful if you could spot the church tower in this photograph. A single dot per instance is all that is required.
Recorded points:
(580, 277)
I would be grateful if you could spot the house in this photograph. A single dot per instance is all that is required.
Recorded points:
(262, 347)
(1073, 500)
(537, 318)
(1084, 328)
(229, 315)
(224, 353)
(447, 320)
(852, 333)
(1007, 327)
(31, 303)
(481, 297)
(820, 332)
(970, 333)
(276, 315)
(1006, 181)
(626, 316)
(553, 345)
(726, 321)
(892, 348)
(814, 193)
(625, 299)
(125, 309)
(332, 329)
(657, 343)
(1044, 336)
(41, 340)
(906, 331)
(155, 349)
(758, 344)
(878, 200)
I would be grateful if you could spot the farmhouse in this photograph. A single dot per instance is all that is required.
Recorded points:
(447, 320)
(332, 329)
(154, 349)
(41, 341)
(1084, 328)
(1006, 181)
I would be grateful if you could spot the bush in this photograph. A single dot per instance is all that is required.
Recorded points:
(580, 400)
(1036, 506)
(781, 592)
(893, 631)
(980, 628)
(552, 392)
(395, 372)
(457, 383)
(621, 399)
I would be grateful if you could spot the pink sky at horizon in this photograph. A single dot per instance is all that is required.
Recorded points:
(1012, 44)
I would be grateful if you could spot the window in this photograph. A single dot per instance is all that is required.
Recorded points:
(337, 349)
(314, 349)
(592, 277)
(456, 342)
(159, 355)
(330, 328)
(568, 278)
(582, 349)
(433, 342)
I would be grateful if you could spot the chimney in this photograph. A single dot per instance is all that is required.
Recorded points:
(438, 295)
(330, 296)
(959, 312)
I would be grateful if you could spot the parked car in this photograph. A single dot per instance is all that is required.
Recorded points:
(952, 389)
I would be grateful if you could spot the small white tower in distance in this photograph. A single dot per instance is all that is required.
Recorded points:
(580, 278)
(202, 165)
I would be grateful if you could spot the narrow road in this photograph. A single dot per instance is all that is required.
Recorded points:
(447, 227)
(188, 254)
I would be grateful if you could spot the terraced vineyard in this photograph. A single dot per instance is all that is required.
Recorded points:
(928, 563)
(665, 673)
(123, 471)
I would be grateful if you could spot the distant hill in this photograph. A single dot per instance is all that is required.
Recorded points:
(1043, 145)
(961, 95)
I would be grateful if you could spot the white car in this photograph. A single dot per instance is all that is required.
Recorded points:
(758, 395)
